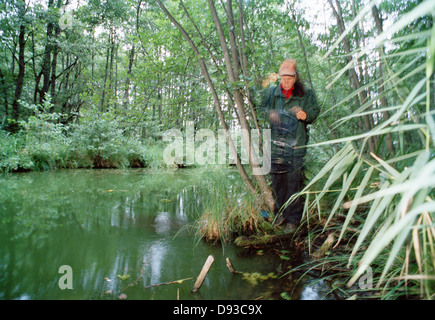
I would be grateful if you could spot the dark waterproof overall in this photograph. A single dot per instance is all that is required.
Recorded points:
(288, 138)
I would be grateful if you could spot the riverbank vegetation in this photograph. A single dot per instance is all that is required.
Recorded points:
(377, 204)
(97, 141)
(96, 85)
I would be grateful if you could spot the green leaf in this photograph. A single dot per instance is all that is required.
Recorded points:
(285, 296)
(124, 277)
(354, 205)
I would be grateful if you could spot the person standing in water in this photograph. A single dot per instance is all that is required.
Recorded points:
(289, 108)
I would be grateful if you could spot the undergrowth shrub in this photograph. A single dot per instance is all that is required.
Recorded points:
(97, 141)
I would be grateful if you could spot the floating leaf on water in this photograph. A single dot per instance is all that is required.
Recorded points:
(165, 200)
(254, 277)
(124, 277)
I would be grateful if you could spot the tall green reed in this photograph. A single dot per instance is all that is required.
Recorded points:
(390, 194)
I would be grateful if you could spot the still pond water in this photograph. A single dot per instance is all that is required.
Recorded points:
(121, 232)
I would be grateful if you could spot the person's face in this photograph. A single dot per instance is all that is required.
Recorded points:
(288, 81)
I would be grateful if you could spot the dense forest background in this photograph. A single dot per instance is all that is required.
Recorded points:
(96, 83)
(124, 64)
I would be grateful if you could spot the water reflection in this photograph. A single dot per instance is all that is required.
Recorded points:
(116, 229)
(315, 290)
(158, 253)
(162, 223)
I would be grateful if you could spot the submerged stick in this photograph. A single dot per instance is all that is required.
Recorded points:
(165, 283)
(203, 273)
(230, 266)
(325, 247)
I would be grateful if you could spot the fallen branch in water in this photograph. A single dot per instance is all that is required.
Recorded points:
(169, 282)
(325, 247)
(230, 266)
(203, 273)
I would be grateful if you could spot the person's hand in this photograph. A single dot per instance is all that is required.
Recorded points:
(273, 77)
(270, 79)
(274, 117)
(300, 114)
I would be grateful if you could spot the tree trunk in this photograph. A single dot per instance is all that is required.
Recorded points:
(116, 76)
(47, 55)
(54, 66)
(216, 101)
(128, 79)
(353, 77)
(233, 74)
(21, 67)
(111, 80)
(106, 73)
(5, 93)
(244, 65)
(384, 103)
(251, 42)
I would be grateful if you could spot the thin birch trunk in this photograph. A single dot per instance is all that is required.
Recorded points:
(206, 75)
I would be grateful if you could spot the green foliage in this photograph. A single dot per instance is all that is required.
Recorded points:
(101, 140)
(44, 142)
(13, 155)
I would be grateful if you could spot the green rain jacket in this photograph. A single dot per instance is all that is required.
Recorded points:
(273, 99)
